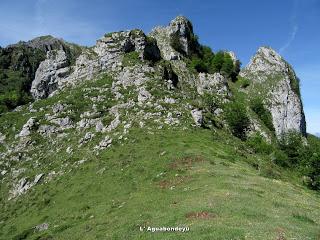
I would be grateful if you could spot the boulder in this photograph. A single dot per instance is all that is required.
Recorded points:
(28, 127)
(197, 117)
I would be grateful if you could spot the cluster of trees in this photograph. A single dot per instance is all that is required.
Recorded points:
(208, 62)
(237, 119)
(292, 150)
(18, 65)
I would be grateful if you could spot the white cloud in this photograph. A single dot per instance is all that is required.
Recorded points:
(293, 33)
(290, 40)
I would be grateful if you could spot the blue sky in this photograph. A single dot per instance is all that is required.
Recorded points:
(289, 26)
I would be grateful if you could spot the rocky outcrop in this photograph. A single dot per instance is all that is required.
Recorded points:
(179, 28)
(49, 73)
(197, 116)
(28, 127)
(274, 80)
(112, 46)
(59, 71)
(213, 84)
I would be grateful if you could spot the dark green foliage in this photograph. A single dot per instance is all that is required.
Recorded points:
(280, 158)
(237, 119)
(227, 66)
(236, 70)
(291, 143)
(73, 51)
(259, 144)
(258, 107)
(210, 103)
(24, 234)
(243, 82)
(217, 62)
(208, 62)
(311, 162)
(18, 65)
(176, 44)
(294, 80)
(313, 170)
(201, 62)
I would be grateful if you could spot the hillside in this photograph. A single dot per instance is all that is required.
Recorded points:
(155, 131)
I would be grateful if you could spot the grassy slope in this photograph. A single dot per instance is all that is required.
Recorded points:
(166, 177)
(201, 174)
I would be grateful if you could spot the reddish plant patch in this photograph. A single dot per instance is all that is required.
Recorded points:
(200, 215)
(186, 162)
(176, 181)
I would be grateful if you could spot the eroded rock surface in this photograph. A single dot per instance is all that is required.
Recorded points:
(275, 81)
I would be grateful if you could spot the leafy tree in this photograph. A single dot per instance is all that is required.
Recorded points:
(227, 66)
(237, 119)
(236, 70)
(217, 62)
(291, 143)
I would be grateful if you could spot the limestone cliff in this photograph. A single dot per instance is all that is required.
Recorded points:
(275, 81)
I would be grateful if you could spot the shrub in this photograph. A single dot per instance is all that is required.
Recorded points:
(259, 144)
(313, 171)
(280, 158)
(217, 62)
(227, 65)
(237, 119)
(291, 143)
(257, 106)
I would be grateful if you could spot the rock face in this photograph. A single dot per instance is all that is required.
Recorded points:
(275, 81)
(56, 71)
(112, 46)
(48, 74)
(181, 28)
(213, 84)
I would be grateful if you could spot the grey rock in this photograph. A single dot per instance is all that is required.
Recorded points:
(114, 124)
(47, 130)
(213, 84)
(58, 108)
(169, 100)
(87, 137)
(99, 126)
(197, 116)
(63, 123)
(49, 73)
(38, 178)
(180, 27)
(105, 143)
(69, 150)
(28, 127)
(21, 187)
(41, 227)
(269, 70)
(2, 138)
(143, 95)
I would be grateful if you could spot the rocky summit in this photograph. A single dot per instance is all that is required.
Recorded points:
(153, 130)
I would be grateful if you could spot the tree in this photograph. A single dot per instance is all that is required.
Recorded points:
(217, 62)
(237, 119)
(227, 65)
